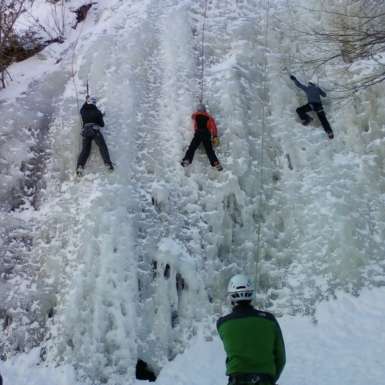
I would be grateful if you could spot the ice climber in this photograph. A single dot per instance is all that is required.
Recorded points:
(205, 130)
(252, 338)
(92, 122)
(81, 13)
(313, 93)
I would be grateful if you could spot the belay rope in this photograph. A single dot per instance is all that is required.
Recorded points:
(203, 50)
(261, 160)
(73, 74)
(264, 90)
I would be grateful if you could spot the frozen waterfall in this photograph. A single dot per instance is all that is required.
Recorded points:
(100, 272)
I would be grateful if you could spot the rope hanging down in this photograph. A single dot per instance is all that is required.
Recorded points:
(261, 161)
(73, 75)
(203, 50)
(73, 72)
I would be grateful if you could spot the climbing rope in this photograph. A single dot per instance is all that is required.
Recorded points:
(263, 126)
(73, 73)
(203, 50)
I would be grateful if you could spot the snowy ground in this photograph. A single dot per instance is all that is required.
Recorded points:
(101, 271)
(345, 346)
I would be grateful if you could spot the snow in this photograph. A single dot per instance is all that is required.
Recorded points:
(101, 271)
(347, 330)
(344, 343)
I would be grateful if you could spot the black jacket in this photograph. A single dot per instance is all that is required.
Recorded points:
(313, 92)
(91, 114)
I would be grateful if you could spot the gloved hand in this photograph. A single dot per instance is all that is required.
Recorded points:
(292, 77)
(87, 98)
(215, 141)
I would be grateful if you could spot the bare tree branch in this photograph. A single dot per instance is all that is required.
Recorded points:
(354, 33)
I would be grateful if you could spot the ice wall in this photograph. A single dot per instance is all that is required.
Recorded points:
(124, 265)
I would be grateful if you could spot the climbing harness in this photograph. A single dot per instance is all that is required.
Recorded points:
(203, 50)
(261, 160)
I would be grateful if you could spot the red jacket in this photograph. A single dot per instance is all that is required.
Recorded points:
(209, 124)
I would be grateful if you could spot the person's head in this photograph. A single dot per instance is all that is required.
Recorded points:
(201, 107)
(92, 100)
(240, 289)
(313, 81)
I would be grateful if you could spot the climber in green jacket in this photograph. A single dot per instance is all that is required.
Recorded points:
(252, 338)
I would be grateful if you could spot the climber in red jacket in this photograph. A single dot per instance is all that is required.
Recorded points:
(206, 132)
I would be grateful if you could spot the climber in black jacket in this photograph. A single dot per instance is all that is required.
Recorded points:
(313, 93)
(92, 122)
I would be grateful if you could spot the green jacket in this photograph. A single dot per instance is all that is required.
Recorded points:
(253, 342)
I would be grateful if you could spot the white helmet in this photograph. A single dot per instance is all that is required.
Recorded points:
(240, 288)
(313, 81)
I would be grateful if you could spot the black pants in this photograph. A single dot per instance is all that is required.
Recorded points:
(317, 107)
(250, 379)
(86, 149)
(205, 137)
